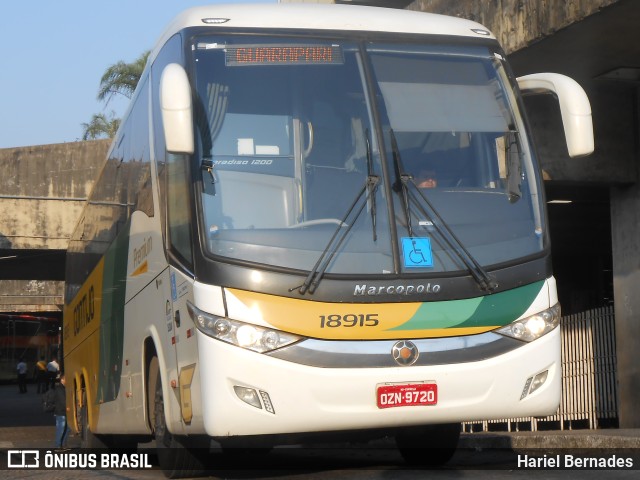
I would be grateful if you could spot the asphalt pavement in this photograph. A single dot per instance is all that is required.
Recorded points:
(23, 422)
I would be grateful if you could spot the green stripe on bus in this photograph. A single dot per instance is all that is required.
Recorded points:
(114, 288)
(492, 310)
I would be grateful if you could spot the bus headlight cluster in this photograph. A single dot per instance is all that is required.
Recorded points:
(533, 327)
(245, 335)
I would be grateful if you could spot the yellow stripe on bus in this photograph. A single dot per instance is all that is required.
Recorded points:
(343, 321)
(81, 329)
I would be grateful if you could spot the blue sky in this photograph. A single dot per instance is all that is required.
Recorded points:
(53, 54)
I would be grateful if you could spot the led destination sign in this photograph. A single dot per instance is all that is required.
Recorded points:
(283, 55)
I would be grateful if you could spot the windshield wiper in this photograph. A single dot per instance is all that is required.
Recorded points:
(402, 183)
(371, 184)
(339, 235)
(480, 275)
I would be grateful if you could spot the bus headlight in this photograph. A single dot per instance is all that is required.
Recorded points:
(252, 337)
(533, 327)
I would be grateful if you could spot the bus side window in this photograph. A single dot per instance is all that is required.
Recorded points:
(138, 157)
(173, 176)
(178, 212)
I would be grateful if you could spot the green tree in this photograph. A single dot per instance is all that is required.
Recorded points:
(119, 79)
(100, 126)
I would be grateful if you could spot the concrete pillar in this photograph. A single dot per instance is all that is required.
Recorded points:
(625, 231)
(625, 237)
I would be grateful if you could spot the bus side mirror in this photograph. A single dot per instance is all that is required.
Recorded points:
(574, 108)
(176, 108)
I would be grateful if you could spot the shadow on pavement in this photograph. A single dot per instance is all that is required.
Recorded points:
(22, 410)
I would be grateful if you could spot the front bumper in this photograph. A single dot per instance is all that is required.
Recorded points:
(313, 399)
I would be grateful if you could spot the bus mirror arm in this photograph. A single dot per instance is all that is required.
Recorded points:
(207, 164)
(177, 109)
(574, 108)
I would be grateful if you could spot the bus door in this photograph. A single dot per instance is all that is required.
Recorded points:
(181, 329)
(183, 340)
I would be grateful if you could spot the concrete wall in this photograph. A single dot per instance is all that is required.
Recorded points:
(614, 159)
(516, 23)
(42, 192)
(31, 295)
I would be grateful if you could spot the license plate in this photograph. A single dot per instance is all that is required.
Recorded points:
(407, 395)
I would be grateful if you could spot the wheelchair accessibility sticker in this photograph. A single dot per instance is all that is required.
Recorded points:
(417, 252)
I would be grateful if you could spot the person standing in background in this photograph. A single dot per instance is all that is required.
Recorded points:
(53, 368)
(56, 402)
(22, 375)
(40, 374)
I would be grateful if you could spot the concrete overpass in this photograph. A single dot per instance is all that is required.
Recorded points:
(595, 237)
(42, 192)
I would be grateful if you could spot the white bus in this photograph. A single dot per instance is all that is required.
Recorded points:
(316, 220)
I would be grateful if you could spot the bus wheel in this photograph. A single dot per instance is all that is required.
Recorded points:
(177, 457)
(428, 446)
(87, 438)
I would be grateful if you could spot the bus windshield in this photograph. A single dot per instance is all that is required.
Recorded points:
(407, 146)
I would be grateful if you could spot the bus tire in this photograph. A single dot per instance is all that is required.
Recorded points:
(428, 446)
(87, 438)
(177, 457)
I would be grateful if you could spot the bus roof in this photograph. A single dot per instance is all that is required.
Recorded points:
(307, 16)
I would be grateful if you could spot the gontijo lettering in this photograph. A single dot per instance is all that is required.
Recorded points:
(84, 311)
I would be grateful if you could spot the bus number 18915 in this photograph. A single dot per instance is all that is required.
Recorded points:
(349, 320)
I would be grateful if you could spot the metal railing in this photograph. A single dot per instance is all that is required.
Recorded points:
(589, 388)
